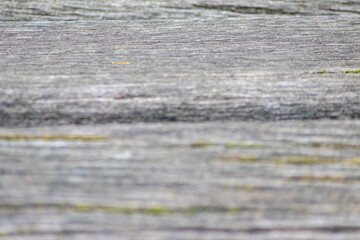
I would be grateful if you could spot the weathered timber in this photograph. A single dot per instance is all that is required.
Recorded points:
(11, 10)
(268, 68)
(233, 180)
(169, 129)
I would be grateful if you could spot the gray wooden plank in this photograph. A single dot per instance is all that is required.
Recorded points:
(11, 10)
(161, 149)
(182, 181)
(267, 68)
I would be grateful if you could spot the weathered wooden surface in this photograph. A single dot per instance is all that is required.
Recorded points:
(239, 69)
(239, 180)
(133, 169)
(11, 10)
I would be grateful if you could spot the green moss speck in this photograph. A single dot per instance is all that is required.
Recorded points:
(243, 159)
(303, 160)
(84, 208)
(324, 72)
(234, 210)
(231, 145)
(3, 235)
(355, 161)
(335, 179)
(14, 137)
(157, 211)
(202, 144)
(352, 72)
(242, 145)
(249, 146)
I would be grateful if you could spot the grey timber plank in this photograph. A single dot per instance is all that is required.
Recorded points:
(179, 120)
(267, 68)
(239, 180)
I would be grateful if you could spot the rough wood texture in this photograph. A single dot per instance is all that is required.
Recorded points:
(169, 9)
(178, 133)
(239, 180)
(265, 68)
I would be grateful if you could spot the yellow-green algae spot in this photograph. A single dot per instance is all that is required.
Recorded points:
(244, 159)
(352, 71)
(249, 146)
(357, 71)
(355, 161)
(112, 209)
(294, 160)
(157, 211)
(231, 145)
(324, 72)
(334, 179)
(304, 160)
(3, 234)
(122, 210)
(234, 210)
(15, 137)
(202, 144)
(335, 145)
(85, 208)
(242, 145)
